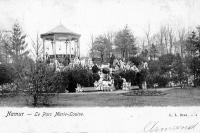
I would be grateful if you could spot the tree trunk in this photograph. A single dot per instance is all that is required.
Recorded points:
(101, 58)
(35, 100)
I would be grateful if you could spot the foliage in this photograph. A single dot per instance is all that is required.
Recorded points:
(6, 74)
(16, 50)
(95, 69)
(102, 44)
(144, 54)
(106, 70)
(15, 53)
(153, 52)
(130, 76)
(96, 77)
(135, 78)
(78, 75)
(101, 49)
(4, 46)
(112, 58)
(179, 70)
(42, 83)
(154, 72)
(137, 60)
(193, 43)
(118, 81)
(8, 88)
(193, 48)
(169, 68)
(166, 62)
(194, 65)
(159, 71)
(18, 45)
(125, 41)
(155, 78)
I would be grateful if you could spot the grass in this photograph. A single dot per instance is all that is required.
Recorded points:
(174, 97)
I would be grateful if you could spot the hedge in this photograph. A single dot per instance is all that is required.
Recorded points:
(82, 76)
(6, 74)
(136, 78)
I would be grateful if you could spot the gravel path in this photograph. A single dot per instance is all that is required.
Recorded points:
(115, 92)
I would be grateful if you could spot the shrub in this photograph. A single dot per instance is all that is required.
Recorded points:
(136, 78)
(54, 82)
(68, 80)
(95, 69)
(194, 65)
(151, 80)
(8, 88)
(96, 77)
(141, 77)
(106, 70)
(197, 81)
(6, 74)
(78, 75)
(42, 83)
(136, 60)
(129, 75)
(72, 82)
(118, 81)
(160, 80)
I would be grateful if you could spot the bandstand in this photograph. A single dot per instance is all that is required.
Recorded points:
(60, 44)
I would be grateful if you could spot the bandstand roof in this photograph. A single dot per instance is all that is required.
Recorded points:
(60, 32)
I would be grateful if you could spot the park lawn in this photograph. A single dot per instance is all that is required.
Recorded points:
(174, 97)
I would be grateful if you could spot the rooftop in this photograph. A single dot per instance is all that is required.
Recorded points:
(60, 29)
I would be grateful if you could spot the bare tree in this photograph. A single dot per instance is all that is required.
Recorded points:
(92, 46)
(166, 36)
(4, 45)
(181, 40)
(158, 39)
(37, 48)
(103, 44)
(148, 35)
(171, 39)
(161, 40)
(125, 40)
(110, 41)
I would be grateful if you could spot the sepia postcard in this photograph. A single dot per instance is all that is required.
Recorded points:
(86, 66)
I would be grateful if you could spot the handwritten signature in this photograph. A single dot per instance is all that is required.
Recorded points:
(154, 126)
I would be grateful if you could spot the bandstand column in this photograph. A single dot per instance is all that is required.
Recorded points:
(70, 50)
(54, 44)
(78, 47)
(66, 44)
(44, 55)
(53, 48)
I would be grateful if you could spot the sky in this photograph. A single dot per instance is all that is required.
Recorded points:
(94, 17)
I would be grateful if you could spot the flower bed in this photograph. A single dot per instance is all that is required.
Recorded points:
(144, 93)
(8, 87)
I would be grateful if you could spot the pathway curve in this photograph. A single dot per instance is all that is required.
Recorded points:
(114, 92)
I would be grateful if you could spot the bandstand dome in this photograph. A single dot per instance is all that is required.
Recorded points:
(60, 30)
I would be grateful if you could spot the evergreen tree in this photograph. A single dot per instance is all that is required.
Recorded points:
(193, 48)
(18, 44)
(18, 52)
(179, 70)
